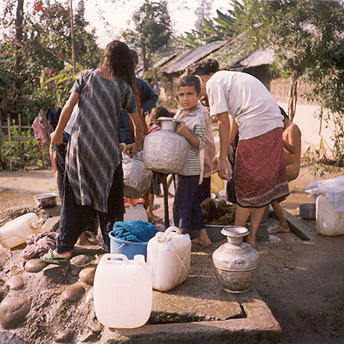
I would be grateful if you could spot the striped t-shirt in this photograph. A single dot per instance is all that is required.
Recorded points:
(196, 123)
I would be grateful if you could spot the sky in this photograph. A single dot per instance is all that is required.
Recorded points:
(109, 17)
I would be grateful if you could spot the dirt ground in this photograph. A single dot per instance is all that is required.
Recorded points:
(301, 281)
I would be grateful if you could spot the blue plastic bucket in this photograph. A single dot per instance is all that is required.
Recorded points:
(128, 248)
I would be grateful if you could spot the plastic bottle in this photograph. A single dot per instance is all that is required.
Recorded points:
(14, 233)
(169, 255)
(137, 212)
(123, 291)
(328, 221)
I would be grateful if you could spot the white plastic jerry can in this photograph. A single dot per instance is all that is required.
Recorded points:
(14, 233)
(123, 291)
(328, 221)
(137, 212)
(169, 255)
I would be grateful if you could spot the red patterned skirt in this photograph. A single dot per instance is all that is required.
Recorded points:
(260, 175)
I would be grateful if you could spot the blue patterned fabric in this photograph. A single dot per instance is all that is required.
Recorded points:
(135, 230)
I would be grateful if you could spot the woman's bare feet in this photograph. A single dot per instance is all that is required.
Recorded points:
(250, 239)
(202, 239)
(281, 229)
(54, 255)
(83, 240)
(198, 241)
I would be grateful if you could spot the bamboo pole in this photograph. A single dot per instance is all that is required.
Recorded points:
(9, 140)
(20, 134)
(72, 35)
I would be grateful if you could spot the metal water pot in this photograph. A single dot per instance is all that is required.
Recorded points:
(136, 177)
(236, 263)
(165, 151)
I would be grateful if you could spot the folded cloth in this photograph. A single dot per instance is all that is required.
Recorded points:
(38, 244)
(135, 230)
(333, 189)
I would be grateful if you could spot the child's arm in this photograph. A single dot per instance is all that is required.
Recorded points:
(57, 135)
(183, 130)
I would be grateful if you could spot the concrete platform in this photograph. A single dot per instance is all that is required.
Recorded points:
(199, 311)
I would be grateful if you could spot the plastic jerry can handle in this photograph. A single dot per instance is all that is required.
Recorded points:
(164, 236)
(36, 224)
(115, 258)
(172, 229)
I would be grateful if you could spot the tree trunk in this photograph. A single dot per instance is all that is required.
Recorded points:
(72, 35)
(19, 34)
(293, 95)
(144, 60)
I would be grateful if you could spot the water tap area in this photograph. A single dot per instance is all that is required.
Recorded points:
(200, 308)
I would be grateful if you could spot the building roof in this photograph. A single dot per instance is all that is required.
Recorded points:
(184, 60)
(164, 61)
(257, 58)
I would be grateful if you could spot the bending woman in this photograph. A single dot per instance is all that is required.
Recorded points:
(242, 103)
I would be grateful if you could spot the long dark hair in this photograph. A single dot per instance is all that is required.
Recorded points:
(118, 58)
(204, 67)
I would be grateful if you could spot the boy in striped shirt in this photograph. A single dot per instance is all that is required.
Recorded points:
(187, 214)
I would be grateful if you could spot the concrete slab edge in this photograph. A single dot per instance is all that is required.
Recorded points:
(302, 230)
(259, 326)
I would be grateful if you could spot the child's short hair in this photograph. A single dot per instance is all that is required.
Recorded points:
(190, 80)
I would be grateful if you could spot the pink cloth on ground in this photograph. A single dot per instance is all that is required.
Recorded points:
(38, 244)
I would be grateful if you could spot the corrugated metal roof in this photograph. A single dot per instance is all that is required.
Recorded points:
(164, 60)
(257, 58)
(184, 60)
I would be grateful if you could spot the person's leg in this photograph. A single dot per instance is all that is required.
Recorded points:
(284, 228)
(187, 213)
(153, 190)
(202, 239)
(204, 189)
(115, 207)
(59, 154)
(171, 178)
(256, 218)
(182, 205)
(241, 215)
(151, 204)
(70, 225)
(198, 220)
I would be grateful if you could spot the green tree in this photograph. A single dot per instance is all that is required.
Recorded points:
(307, 37)
(42, 50)
(221, 27)
(88, 53)
(304, 34)
(152, 30)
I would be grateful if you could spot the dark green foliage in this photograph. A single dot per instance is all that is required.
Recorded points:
(222, 27)
(152, 29)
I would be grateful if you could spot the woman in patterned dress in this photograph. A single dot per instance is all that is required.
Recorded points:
(94, 175)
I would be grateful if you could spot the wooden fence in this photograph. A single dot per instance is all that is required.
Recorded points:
(6, 136)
